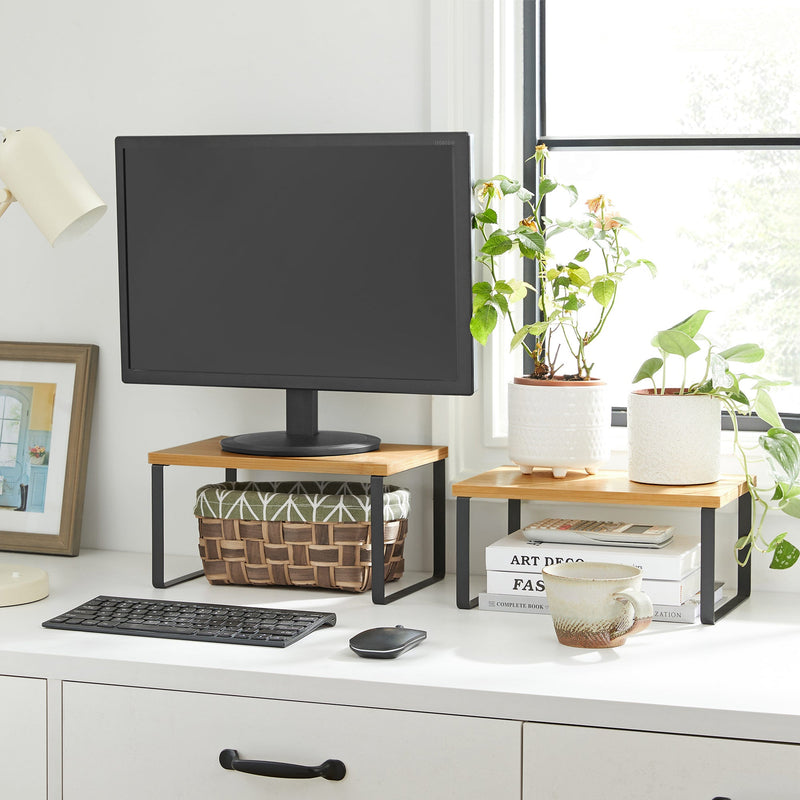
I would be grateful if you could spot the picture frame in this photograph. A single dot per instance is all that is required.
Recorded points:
(46, 401)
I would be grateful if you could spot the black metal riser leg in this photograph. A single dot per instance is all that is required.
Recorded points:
(157, 522)
(514, 515)
(463, 599)
(709, 615)
(439, 536)
(376, 538)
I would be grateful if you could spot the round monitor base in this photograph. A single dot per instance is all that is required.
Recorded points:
(281, 443)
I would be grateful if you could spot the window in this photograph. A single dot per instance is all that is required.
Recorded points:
(687, 115)
(10, 421)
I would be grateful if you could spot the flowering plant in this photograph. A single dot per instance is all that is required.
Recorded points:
(37, 451)
(569, 293)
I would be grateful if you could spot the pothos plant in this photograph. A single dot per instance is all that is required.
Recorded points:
(740, 393)
(574, 304)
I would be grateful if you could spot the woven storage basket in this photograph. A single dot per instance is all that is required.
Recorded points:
(297, 534)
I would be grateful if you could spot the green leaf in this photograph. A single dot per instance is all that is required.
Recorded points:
(503, 287)
(508, 186)
(743, 353)
(648, 369)
(692, 324)
(502, 303)
(763, 383)
(526, 251)
(561, 280)
(497, 244)
(572, 303)
(603, 291)
(783, 455)
(489, 216)
(546, 185)
(650, 265)
(582, 255)
(479, 300)
(573, 194)
(532, 239)
(481, 292)
(783, 491)
(518, 337)
(776, 541)
(785, 556)
(525, 195)
(791, 507)
(705, 388)
(538, 328)
(518, 289)
(676, 342)
(739, 397)
(765, 409)
(580, 276)
(483, 322)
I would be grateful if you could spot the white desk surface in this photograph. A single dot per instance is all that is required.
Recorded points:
(734, 679)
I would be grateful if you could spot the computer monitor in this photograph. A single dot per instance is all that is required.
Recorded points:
(303, 262)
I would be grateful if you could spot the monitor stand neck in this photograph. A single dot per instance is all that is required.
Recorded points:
(301, 412)
(302, 437)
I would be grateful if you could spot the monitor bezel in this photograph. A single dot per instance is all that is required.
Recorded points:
(459, 144)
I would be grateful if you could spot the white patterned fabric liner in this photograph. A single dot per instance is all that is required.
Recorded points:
(299, 501)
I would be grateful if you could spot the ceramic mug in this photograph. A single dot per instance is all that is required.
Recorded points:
(596, 605)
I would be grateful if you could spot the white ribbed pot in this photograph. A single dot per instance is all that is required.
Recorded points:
(673, 439)
(558, 425)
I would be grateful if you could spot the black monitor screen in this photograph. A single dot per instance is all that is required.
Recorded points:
(330, 262)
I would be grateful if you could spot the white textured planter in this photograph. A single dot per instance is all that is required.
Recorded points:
(673, 439)
(558, 425)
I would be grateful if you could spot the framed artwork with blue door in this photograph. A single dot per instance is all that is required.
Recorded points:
(46, 399)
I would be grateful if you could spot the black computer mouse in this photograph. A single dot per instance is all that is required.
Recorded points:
(386, 642)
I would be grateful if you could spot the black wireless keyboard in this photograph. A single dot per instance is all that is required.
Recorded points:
(194, 622)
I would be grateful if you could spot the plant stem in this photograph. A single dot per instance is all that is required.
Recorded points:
(760, 503)
(683, 381)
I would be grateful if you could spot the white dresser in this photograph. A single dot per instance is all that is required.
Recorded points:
(489, 706)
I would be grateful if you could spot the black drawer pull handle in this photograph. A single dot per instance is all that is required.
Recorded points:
(331, 770)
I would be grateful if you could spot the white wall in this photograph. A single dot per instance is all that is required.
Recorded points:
(89, 70)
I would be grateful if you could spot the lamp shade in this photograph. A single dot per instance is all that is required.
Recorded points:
(48, 185)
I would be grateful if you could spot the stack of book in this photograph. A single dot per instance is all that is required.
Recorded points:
(670, 574)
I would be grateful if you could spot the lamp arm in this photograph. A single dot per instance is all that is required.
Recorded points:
(6, 199)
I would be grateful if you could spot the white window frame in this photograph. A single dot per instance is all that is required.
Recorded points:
(476, 64)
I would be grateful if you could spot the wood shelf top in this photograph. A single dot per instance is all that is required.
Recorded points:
(389, 459)
(608, 487)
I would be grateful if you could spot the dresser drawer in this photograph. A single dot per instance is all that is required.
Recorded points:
(565, 762)
(23, 738)
(130, 743)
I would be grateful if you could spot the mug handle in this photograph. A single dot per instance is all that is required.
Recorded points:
(642, 610)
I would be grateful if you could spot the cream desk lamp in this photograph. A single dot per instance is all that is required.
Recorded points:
(39, 175)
